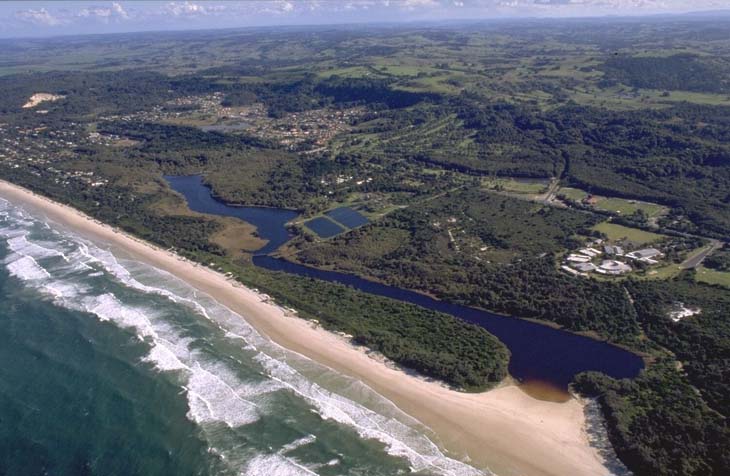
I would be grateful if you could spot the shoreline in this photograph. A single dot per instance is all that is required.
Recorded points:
(534, 320)
(503, 430)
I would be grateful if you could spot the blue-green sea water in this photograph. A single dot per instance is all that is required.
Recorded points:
(109, 366)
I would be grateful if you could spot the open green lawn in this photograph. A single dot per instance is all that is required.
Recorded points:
(515, 186)
(667, 271)
(710, 276)
(627, 207)
(616, 232)
(348, 72)
(573, 193)
(621, 206)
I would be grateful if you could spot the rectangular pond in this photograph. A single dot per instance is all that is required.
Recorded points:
(324, 227)
(348, 217)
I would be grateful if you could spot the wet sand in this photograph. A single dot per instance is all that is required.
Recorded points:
(504, 430)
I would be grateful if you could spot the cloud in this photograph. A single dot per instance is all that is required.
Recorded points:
(115, 12)
(280, 7)
(186, 9)
(38, 17)
(415, 4)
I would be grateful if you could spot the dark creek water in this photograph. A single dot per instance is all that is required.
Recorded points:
(540, 354)
(270, 222)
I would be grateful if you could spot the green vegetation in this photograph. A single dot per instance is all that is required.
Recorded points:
(614, 205)
(452, 142)
(719, 260)
(616, 232)
(574, 194)
(434, 344)
(486, 250)
(712, 276)
(629, 207)
(672, 419)
(516, 186)
(677, 72)
(658, 425)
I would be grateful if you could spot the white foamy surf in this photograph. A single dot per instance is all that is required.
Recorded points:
(73, 273)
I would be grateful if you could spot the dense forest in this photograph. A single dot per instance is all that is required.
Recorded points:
(455, 143)
(501, 259)
(658, 425)
(672, 419)
(677, 72)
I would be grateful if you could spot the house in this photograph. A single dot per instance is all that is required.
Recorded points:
(588, 252)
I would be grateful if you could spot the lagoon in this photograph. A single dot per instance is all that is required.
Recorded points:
(540, 354)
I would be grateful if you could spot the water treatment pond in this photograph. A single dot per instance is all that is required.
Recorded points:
(539, 353)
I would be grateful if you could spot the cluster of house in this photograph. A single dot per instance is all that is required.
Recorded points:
(583, 261)
(317, 126)
(296, 130)
(43, 146)
(37, 145)
(206, 105)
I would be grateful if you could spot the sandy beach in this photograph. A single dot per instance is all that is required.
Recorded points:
(503, 430)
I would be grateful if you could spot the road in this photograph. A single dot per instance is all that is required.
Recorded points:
(696, 260)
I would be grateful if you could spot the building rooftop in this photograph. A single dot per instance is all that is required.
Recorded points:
(645, 253)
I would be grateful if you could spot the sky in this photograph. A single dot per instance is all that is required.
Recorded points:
(50, 18)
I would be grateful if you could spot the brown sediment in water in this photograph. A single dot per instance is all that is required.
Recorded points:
(504, 430)
(544, 391)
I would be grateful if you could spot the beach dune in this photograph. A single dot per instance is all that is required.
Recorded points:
(503, 430)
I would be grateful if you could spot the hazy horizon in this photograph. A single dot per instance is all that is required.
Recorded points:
(45, 19)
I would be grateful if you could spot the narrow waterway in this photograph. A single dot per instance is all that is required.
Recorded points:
(541, 355)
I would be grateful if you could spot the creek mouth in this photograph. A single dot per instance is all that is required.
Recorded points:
(544, 359)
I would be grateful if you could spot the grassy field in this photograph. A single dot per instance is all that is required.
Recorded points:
(662, 272)
(623, 233)
(573, 193)
(515, 186)
(627, 207)
(620, 206)
(710, 276)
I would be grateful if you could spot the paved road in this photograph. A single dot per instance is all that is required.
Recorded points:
(694, 261)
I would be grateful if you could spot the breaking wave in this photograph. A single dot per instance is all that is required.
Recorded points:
(223, 392)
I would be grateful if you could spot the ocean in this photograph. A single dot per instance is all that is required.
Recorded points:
(109, 366)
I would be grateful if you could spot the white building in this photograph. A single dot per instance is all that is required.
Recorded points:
(573, 258)
(646, 253)
(613, 267)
